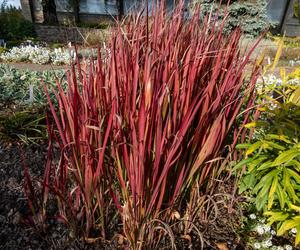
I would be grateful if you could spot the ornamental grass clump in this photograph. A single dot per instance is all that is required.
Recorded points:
(141, 126)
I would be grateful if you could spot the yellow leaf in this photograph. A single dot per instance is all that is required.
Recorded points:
(278, 54)
(294, 207)
(253, 147)
(287, 225)
(261, 109)
(297, 238)
(296, 96)
(272, 191)
(260, 59)
(283, 74)
(250, 125)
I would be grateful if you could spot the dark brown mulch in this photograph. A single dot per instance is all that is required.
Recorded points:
(14, 234)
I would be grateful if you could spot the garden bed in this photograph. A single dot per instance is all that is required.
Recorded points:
(15, 234)
(172, 140)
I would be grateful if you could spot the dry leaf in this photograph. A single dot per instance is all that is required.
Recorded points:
(186, 237)
(222, 246)
(176, 214)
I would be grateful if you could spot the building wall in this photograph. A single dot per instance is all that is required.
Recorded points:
(32, 10)
(61, 34)
(276, 10)
(38, 11)
(26, 11)
(291, 25)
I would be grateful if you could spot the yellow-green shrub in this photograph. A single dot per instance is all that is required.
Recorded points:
(272, 159)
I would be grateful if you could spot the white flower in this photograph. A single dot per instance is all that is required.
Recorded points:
(252, 216)
(280, 248)
(36, 54)
(260, 229)
(257, 245)
(267, 228)
(273, 232)
(267, 243)
(288, 247)
(294, 230)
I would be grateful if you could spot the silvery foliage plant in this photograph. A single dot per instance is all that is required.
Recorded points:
(25, 87)
(37, 54)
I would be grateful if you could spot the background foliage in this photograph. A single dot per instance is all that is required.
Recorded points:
(13, 26)
(250, 16)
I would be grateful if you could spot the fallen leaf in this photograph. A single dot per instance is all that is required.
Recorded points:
(222, 246)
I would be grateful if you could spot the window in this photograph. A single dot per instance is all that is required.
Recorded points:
(104, 7)
(63, 5)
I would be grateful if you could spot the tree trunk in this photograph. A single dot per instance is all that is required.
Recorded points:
(49, 10)
(120, 4)
(76, 10)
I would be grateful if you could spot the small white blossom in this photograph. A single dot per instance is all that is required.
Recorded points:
(280, 248)
(36, 54)
(267, 243)
(294, 230)
(257, 245)
(252, 216)
(260, 229)
(288, 247)
(267, 228)
(273, 232)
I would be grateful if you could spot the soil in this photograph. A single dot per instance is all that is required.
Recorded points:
(14, 234)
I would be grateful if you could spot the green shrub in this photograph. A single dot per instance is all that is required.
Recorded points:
(13, 26)
(27, 125)
(272, 159)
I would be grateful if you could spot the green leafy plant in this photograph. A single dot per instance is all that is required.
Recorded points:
(13, 26)
(272, 159)
(28, 126)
